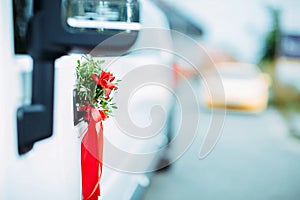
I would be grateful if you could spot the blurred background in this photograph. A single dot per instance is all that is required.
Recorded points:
(255, 47)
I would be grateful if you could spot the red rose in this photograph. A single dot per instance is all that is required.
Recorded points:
(105, 80)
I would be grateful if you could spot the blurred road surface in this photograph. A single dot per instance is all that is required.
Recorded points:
(256, 158)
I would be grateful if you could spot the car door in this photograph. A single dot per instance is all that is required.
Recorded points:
(51, 169)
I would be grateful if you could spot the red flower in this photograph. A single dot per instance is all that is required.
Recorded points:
(107, 93)
(105, 80)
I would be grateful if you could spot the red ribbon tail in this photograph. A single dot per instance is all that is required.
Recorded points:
(91, 161)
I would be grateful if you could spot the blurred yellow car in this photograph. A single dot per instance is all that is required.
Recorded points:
(236, 86)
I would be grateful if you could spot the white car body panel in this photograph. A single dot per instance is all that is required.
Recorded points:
(51, 170)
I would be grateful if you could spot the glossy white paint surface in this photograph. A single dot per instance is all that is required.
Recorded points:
(52, 169)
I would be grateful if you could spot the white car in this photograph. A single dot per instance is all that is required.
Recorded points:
(51, 170)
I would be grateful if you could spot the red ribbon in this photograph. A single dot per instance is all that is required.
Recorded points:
(91, 154)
